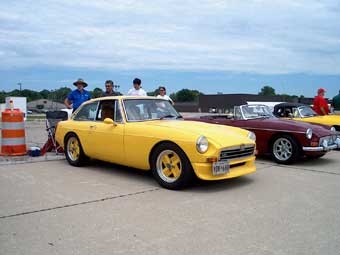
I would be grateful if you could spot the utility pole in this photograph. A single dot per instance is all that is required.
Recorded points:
(19, 84)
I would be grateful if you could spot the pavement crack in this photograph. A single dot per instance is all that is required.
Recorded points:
(80, 203)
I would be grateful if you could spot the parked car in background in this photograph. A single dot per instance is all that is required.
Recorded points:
(286, 141)
(148, 133)
(305, 113)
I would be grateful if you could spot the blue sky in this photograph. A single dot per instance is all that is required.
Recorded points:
(210, 45)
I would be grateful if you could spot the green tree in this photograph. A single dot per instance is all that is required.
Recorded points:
(187, 95)
(267, 91)
(153, 93)
(97, 92)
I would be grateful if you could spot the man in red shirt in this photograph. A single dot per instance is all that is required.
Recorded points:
(320, 105)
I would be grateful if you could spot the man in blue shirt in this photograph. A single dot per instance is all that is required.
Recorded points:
(77, 96)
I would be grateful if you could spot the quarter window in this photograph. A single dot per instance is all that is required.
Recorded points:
(87, 112)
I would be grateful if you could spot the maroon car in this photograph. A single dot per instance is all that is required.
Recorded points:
(285, 140)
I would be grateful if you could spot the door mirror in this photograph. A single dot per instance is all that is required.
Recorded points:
(109, 121)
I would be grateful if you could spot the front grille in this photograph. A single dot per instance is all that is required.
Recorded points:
(237, 152)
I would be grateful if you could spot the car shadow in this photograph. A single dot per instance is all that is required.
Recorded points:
(146, 177)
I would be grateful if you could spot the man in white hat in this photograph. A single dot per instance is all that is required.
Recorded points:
(77, 96)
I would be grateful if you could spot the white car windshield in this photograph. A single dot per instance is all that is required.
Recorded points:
(306, 111)
(255, 112)
(149, 109)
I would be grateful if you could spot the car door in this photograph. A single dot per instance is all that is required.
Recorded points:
(85, 119)
(107, 139)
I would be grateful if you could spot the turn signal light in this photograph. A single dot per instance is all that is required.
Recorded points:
(212, 159)
(314, 144)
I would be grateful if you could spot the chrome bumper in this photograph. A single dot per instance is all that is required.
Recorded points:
(324, 148)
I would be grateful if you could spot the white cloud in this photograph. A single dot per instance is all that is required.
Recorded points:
(243, 36)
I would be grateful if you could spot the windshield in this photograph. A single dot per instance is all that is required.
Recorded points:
(256, 112)
(149, 109)
(306, 111)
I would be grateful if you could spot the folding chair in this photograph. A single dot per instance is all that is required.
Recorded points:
(52, 119)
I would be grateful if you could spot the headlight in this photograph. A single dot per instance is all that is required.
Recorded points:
(333, 129)
(251, 136)
(202, 144)
(309, 133)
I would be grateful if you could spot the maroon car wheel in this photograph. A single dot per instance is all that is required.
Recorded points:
(285, 150)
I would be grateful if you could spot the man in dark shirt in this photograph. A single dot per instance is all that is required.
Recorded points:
(109, 89)
(336, 103)
(77, 96)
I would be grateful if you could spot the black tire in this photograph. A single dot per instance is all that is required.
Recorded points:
(74, 158)
(285, 150)
(165, 173)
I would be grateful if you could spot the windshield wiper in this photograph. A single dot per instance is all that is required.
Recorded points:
(167, 116)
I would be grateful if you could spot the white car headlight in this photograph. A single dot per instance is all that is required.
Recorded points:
(309, 133)
(251, 136)
(333, 129)
(202, 144)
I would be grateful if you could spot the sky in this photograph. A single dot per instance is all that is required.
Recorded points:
(209, 45)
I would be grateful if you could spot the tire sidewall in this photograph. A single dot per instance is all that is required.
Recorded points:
(187, 172)
(81, 158)
(295, 150)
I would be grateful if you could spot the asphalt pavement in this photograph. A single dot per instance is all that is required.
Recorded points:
(53, 208)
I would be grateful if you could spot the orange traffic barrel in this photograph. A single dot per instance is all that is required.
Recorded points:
(13, 133)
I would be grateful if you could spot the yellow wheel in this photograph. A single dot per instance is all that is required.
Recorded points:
(73, 150)
(171, 167)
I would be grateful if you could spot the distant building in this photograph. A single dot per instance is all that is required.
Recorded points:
(224, 103)
(43, 105)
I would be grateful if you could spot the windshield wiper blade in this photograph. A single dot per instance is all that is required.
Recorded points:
(179, 117)
(167, 116)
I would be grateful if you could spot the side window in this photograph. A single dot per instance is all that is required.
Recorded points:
(87, 112)
(109, 109)
(118, 113)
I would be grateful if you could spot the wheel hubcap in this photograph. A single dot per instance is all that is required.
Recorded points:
(169, 166)
(73, 149)
(283, 149)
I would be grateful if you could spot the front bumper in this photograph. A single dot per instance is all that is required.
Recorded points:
(334, 146)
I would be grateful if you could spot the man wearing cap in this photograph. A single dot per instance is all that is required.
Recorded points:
(320, 104)
(77, 96)
(336, 104)
(137, 88)
(109, 89)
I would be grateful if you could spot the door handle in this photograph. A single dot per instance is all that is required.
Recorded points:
(93, 127)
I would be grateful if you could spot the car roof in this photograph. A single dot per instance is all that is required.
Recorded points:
(289, 105)
(123, 97)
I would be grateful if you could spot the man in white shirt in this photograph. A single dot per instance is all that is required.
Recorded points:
(162, 94)
(136, 90)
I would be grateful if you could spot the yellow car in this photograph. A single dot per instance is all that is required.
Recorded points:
(302, 112)
(148, 133)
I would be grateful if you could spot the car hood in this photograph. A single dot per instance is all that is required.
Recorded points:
(330, 120)
(293, 125)
(222, 135)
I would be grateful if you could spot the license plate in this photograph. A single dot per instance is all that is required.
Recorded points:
(220, 168)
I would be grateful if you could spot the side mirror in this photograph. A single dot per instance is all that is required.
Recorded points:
(109, 121)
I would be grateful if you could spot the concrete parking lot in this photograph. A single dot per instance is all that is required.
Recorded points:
(53, 208)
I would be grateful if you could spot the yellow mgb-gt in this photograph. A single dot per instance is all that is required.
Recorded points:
(149, 134)
(302, 112)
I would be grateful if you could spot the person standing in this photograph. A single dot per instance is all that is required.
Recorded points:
(336, 104)
(163, 95)
(77, 96)
(320, 104)
(109, 89)
(137, 88)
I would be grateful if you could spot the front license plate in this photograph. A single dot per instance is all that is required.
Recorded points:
(220, 168)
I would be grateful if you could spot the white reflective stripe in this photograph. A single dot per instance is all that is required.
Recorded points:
(12, 125)
(13, 141)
